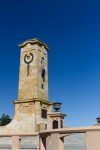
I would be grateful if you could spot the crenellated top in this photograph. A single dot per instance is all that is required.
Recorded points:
(34, 41)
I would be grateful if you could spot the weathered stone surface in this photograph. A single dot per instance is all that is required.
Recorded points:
(30, 86)
(32, 92)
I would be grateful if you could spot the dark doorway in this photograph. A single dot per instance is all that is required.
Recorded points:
(55, 124)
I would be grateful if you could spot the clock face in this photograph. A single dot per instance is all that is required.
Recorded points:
(28, 59)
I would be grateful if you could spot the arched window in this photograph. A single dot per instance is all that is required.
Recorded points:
(55, 124)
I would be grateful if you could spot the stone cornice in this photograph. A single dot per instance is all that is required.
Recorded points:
(56, 114)
(34, 41)
(32, 100)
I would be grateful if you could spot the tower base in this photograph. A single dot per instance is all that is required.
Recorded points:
(28, 117)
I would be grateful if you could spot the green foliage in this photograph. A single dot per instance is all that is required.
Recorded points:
(5, 119)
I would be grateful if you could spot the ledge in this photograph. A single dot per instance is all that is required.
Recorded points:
(34, 41)
(56, 114)
(33, 100)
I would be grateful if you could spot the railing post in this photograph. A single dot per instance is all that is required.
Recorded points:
(16, 142)
(61, 143)
(48, 142)
(42, 143)
(38, 142)
(57, 143)
(93, 140)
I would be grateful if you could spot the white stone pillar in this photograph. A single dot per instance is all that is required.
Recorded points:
(42, 143)
(56, 142)
(16, 142)
(93, 140)
(48, 142)
(59, 123)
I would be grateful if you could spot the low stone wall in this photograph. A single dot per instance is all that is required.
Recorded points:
(72, 142)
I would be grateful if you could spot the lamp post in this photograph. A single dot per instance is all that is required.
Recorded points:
(57, 106)
(98, 120)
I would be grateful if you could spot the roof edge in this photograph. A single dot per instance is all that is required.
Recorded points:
(33, 41)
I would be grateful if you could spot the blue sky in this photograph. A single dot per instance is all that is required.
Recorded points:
(71, 28)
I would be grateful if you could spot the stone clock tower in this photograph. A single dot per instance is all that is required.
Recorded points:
(33, 79)
(33, 111)
(32, 105)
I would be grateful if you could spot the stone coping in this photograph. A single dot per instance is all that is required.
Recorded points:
(72, 130)
(33, 100)
(20, 135)
(60, 131)
(34, 41)
(56, 114)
